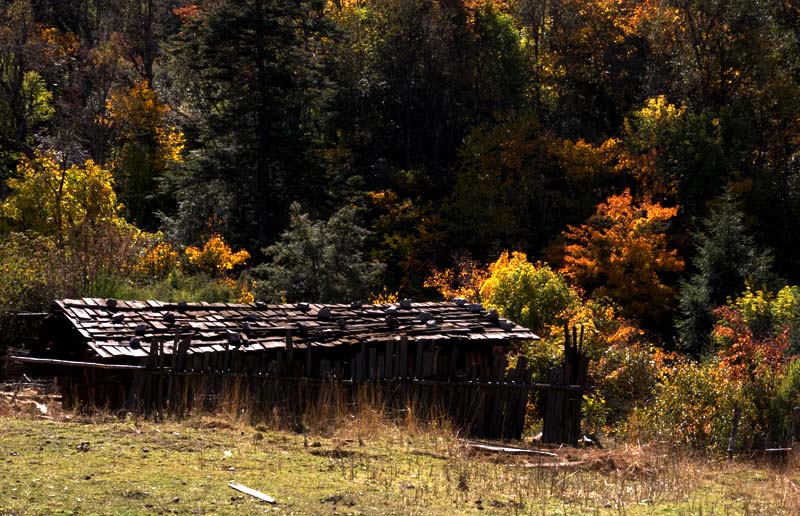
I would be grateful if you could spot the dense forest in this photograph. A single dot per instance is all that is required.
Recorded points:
(629, 165)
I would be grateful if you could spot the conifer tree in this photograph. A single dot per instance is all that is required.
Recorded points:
(319, 261)
(248, 81)
(727, 258)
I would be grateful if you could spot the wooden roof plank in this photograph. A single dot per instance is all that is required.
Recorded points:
(208, 324)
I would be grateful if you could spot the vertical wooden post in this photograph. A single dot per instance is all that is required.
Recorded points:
(388, 369)
(562, 421)
(362, 363)
(289, 353)
(418, 362)
(403, 372)
(453, 360)
(160, 382)
(373, 363)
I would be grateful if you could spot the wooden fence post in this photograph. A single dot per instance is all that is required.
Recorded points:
(562, 419)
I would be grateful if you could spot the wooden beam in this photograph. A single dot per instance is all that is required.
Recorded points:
(73, 363)
(252, 492)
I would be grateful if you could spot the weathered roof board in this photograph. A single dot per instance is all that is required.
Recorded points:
(108, 329)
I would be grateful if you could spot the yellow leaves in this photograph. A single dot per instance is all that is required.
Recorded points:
(52, 199)
(158, 261)
(136, 113)
(172, 143)
(501, 269)
(385, 297)
(216, 257)
(246, 292)
(137, 107)
(531, 294)
(657, 111)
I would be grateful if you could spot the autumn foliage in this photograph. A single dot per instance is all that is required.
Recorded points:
(622, 252)
(216, 257)
(437, 149)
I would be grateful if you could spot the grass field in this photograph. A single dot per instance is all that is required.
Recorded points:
(75, 465)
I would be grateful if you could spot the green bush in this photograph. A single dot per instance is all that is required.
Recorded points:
(785, 400)
(693, 406)
(33, 272)
(176, 287)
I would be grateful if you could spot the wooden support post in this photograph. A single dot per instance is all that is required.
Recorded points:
(324, 368)
(373, 363)
(418, 361)
(388, 369)
(427, 364)
(363, 371)
(403, 372)
(499, 367)
(354, 367)
(180, 355)
(289, 353)
(226, 357)
(160, 383)
(562, 422)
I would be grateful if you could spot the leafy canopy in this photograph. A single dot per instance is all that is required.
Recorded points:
(533, 295)
(622, 252)
(55, 199)
(727, 259)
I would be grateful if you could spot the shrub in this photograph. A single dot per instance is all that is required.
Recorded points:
(216, 257)
(533, 295)
(694, 406)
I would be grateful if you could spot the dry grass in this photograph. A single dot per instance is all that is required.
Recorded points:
(362, 465)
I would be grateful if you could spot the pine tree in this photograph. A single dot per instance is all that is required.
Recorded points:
(248, 80)
(319, 261)
(727, 257)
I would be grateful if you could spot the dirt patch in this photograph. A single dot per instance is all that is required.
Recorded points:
(622, 464)
(215, 424)
(29, 401)
(5, 407)
(338, 453)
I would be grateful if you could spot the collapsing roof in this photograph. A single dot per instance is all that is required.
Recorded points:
(114, 328)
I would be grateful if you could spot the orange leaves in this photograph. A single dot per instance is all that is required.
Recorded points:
(463, 280)
(187, 13)
(59, 45)
(621, 252)
(216, 257)
(743, 355)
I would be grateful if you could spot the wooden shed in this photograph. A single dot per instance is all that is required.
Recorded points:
(447, 358)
